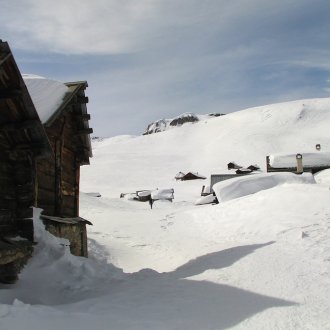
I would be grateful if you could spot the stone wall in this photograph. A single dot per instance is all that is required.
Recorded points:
(75, 233)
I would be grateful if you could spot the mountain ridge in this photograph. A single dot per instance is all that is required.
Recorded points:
(161, 125)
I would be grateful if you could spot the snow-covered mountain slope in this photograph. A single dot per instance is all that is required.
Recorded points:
(283, 232)
(259, 260)
(165, 124)
(130, 163)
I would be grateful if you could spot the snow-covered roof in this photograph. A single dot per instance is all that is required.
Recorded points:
(47, 94)
(162, 194)
(310, 159)
(180, 175)
(196, 174)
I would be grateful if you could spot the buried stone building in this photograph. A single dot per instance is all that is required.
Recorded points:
(44, 139)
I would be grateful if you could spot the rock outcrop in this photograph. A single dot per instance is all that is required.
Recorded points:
(164, 124)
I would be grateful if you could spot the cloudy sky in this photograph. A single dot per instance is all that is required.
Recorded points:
(151, 59)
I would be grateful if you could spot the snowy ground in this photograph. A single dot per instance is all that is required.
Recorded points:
(256, 261)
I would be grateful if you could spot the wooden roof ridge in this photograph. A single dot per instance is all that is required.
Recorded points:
(75, 87)
(79, 82)
(12, 86)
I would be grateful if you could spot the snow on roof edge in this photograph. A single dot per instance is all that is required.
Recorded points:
(46, 94)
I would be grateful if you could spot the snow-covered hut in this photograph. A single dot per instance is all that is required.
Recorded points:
(311, 161)
(62, 110)
(23, 141)
(179, 176)
(233, 165)
(244, 170)
(192, 176)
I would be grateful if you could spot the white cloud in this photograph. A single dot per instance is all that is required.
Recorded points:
(120, 26)
(77, 26)
(165, 57)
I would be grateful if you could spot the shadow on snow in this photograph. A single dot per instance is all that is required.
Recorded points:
(170, 301)
(151, 300)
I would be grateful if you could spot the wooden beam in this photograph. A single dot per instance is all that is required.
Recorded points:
(29, 146)
(5, 58)
(23, 150)
(77, 184)
(10, 93)
(82, 149)
(3, 76)
(84, 131)
(82, 99)
(58, 175)
(83, 116)
(22, 154)
(19, 125)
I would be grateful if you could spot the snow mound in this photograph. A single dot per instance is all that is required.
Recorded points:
(47, 94)
(250, 184)
(323, 177)
(69, 278)
(206, 200)
(162, 194)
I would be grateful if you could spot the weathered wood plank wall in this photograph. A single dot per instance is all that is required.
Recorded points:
(58, 179)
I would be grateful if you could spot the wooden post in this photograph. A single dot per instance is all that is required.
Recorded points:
(36, 182)
(76, 200)
(58, 177)
(300, 168)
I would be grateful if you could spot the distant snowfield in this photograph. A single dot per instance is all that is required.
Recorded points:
(260, 260)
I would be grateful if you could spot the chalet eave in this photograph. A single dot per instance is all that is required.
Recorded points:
(66, 220)
(73, 90)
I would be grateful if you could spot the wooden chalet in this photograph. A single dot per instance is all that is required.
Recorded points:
(68, 131)
(233, 166)
(192, 176)
(23, 142)
(179, 176)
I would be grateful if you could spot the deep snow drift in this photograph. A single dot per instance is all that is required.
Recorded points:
(256, 261)
(251, 184)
